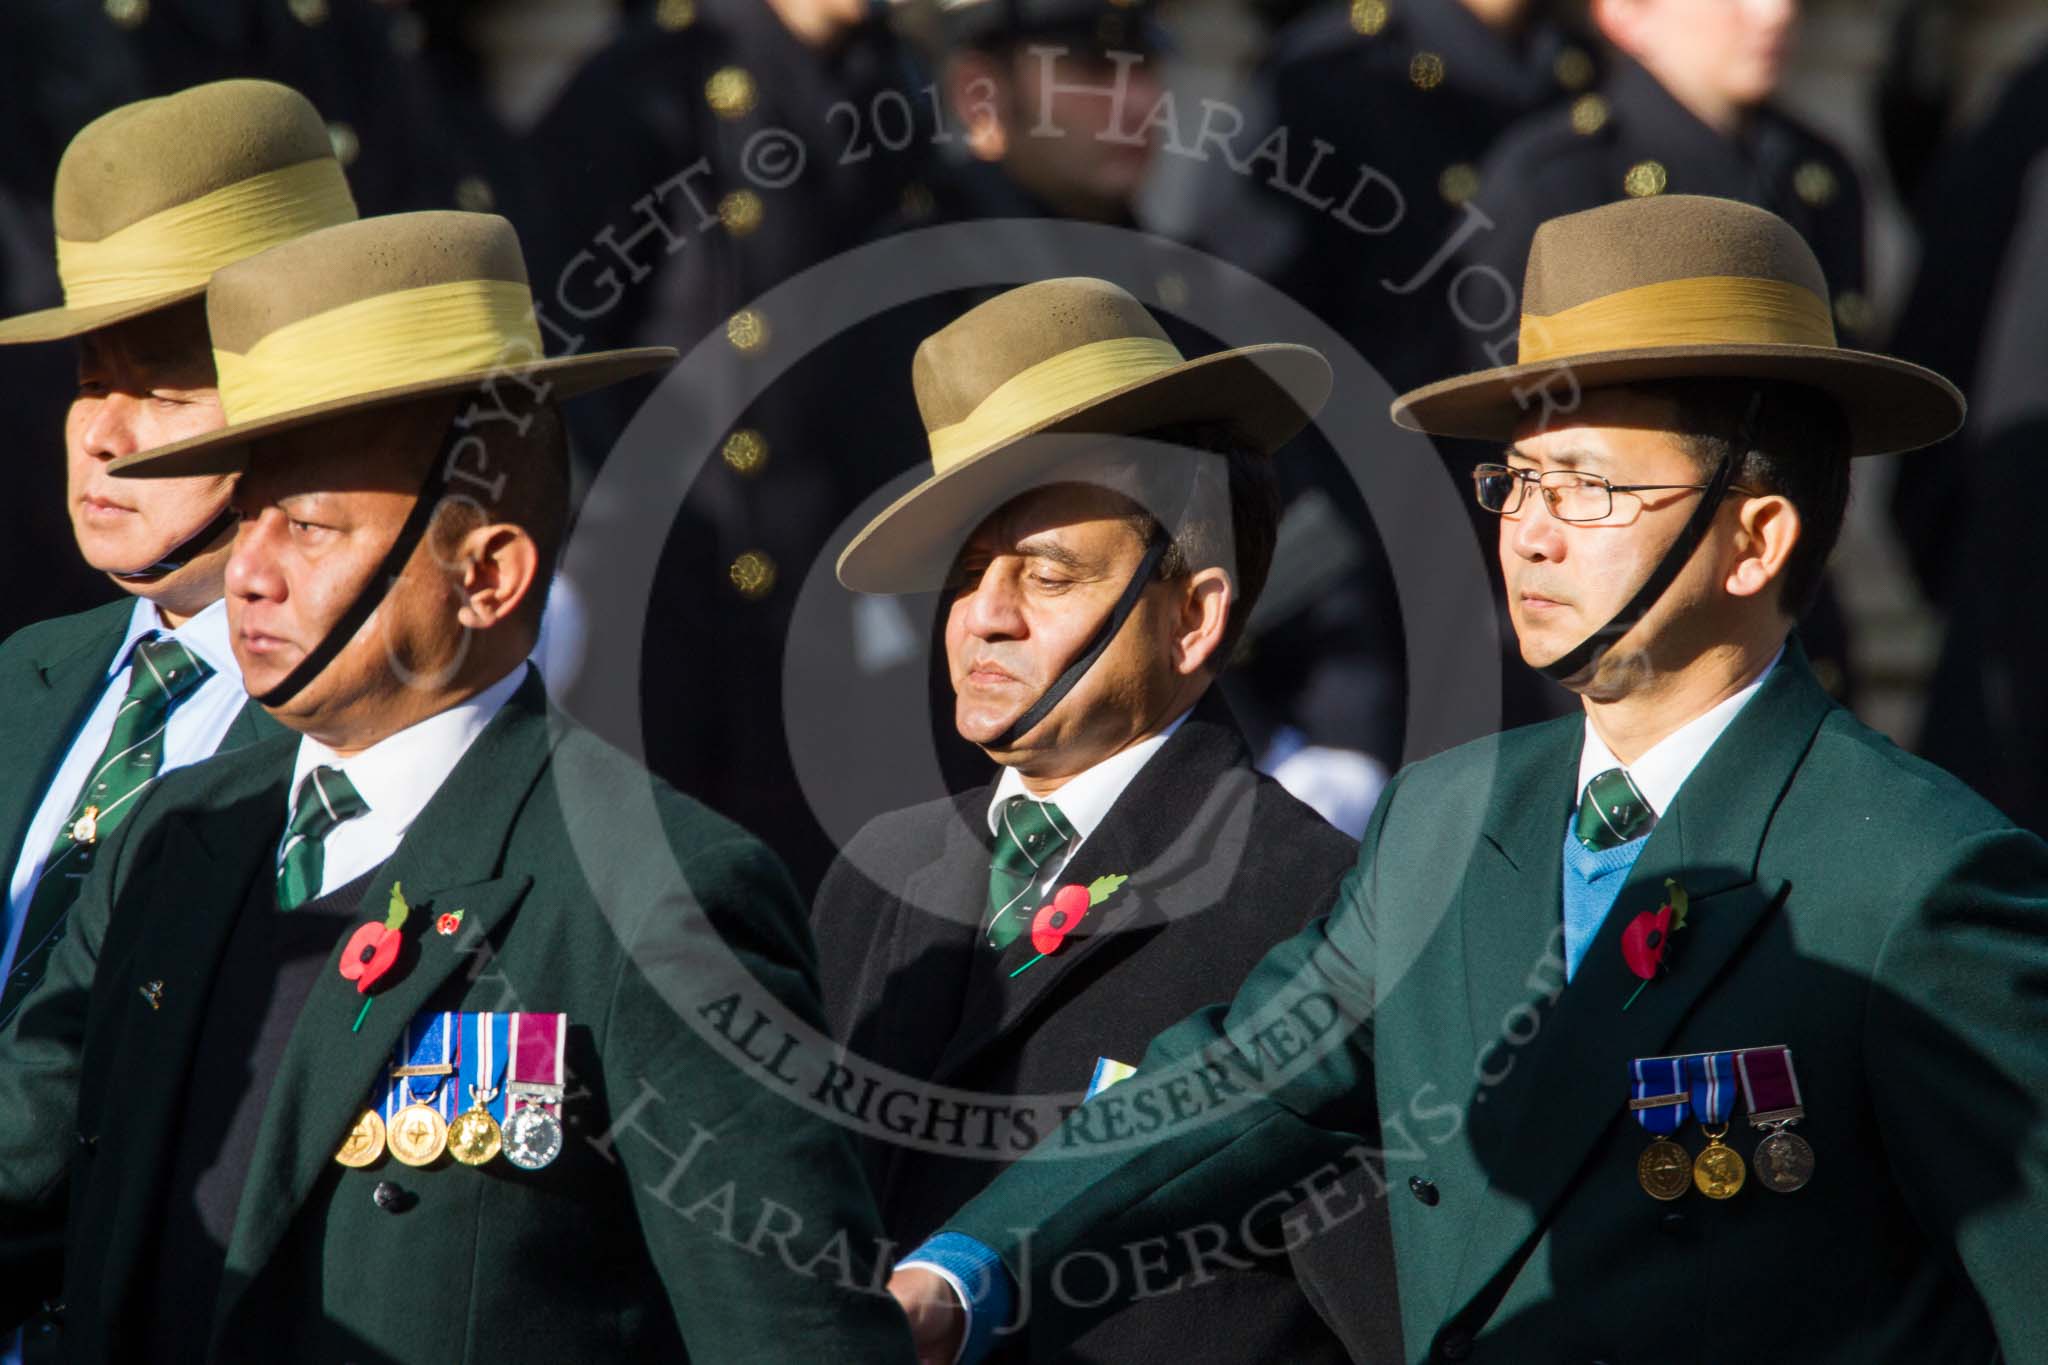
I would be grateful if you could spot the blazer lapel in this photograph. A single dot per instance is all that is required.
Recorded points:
(199, 880)
(1545, 1120)
(1187, 812)
(51, 695)
(450, 859)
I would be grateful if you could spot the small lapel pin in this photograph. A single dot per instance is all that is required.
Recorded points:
(153, 992)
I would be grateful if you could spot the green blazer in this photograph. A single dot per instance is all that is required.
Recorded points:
(1847, 900)
(52, 674)
(641, 1242)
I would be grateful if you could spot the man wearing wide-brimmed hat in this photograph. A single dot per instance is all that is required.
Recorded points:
(391, 1045)
(1704, 1025)
(1100, 520)
(150, 200)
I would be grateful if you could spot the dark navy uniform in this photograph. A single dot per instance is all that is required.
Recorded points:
(1418, 91)
(1633, 139)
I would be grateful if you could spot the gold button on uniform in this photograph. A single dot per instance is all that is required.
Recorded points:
(730, 92)
(1426, 70)
(1644, 179)
(311, 13)
(1368, 17)
(128, 13)
(753, 573)
(1815, 183)
(675, 15)
(741, 212)
(473, 194)
(1458, 183)
(1853, 312)
(747, 330)
(347, 147)
(746, 452)
(1589, 115)
(1573, 68)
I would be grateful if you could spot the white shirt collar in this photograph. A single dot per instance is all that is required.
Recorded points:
(400, 773)
(1085, 798)
(205, 634)
(1660, 772)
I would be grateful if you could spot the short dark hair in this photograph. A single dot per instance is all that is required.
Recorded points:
(1238, 537)
(1801, 453)
(527, 446)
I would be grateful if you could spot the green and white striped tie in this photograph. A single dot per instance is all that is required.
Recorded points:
(326, 798)
(1029, 834)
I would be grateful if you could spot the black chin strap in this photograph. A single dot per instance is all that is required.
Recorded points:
(1155, 550)
(1589, 650)
(378, 586)
(186, 550)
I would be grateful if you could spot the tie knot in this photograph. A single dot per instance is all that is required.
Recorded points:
(326, 798)
(1035, 826)
(161, 666)
(1612, 812)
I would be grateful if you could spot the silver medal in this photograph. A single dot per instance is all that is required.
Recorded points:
(533, 1138)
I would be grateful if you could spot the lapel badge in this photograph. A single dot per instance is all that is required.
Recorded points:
(86, 828)
(447, 924)
(153, 992)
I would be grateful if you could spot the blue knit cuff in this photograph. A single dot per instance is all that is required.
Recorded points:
(981, 1280)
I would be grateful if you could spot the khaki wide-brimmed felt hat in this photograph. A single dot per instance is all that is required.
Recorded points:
(154, 197)
(1683, 287)
(1059, 356)
(370, 314)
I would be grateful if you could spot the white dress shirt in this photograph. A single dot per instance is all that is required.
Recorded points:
(196, 727)
(1085, 798)
(1663, 768)
(396, 777)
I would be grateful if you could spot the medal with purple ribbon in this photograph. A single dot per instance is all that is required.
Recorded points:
(1660, 1103)
(1717, 1171)
(534, 1089)
(1770, 1089)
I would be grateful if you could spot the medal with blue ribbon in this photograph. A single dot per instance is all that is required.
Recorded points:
(1719, 1171)
(420, 1100)
(1660, 1102)
(475, 1137)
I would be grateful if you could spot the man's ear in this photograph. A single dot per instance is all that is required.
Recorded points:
(1205, 601)
(974, 91)
(1767, 530)
(497, 567)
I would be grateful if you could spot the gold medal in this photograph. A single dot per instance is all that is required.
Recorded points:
(1718, 1171)
(417, 1135)
(364, 1143)
(474, 1137)
(1664, 1170)
(1783, 1161)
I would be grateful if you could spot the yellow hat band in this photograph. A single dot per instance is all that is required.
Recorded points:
(1043, 391)
(180, 247)
(1715, 310)
(381, 343)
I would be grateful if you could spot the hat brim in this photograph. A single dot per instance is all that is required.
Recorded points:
(1268, 392)
(1891, 406)
(224, 451)
(63, 324)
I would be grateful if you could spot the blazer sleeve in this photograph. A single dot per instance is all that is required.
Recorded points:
(1958, 1070)
(753, 1207)
(1229, 1110)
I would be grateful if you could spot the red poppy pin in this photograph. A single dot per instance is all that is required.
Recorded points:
(373, 950)
(1062, 914)
(448, 923)
(1647, 941)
